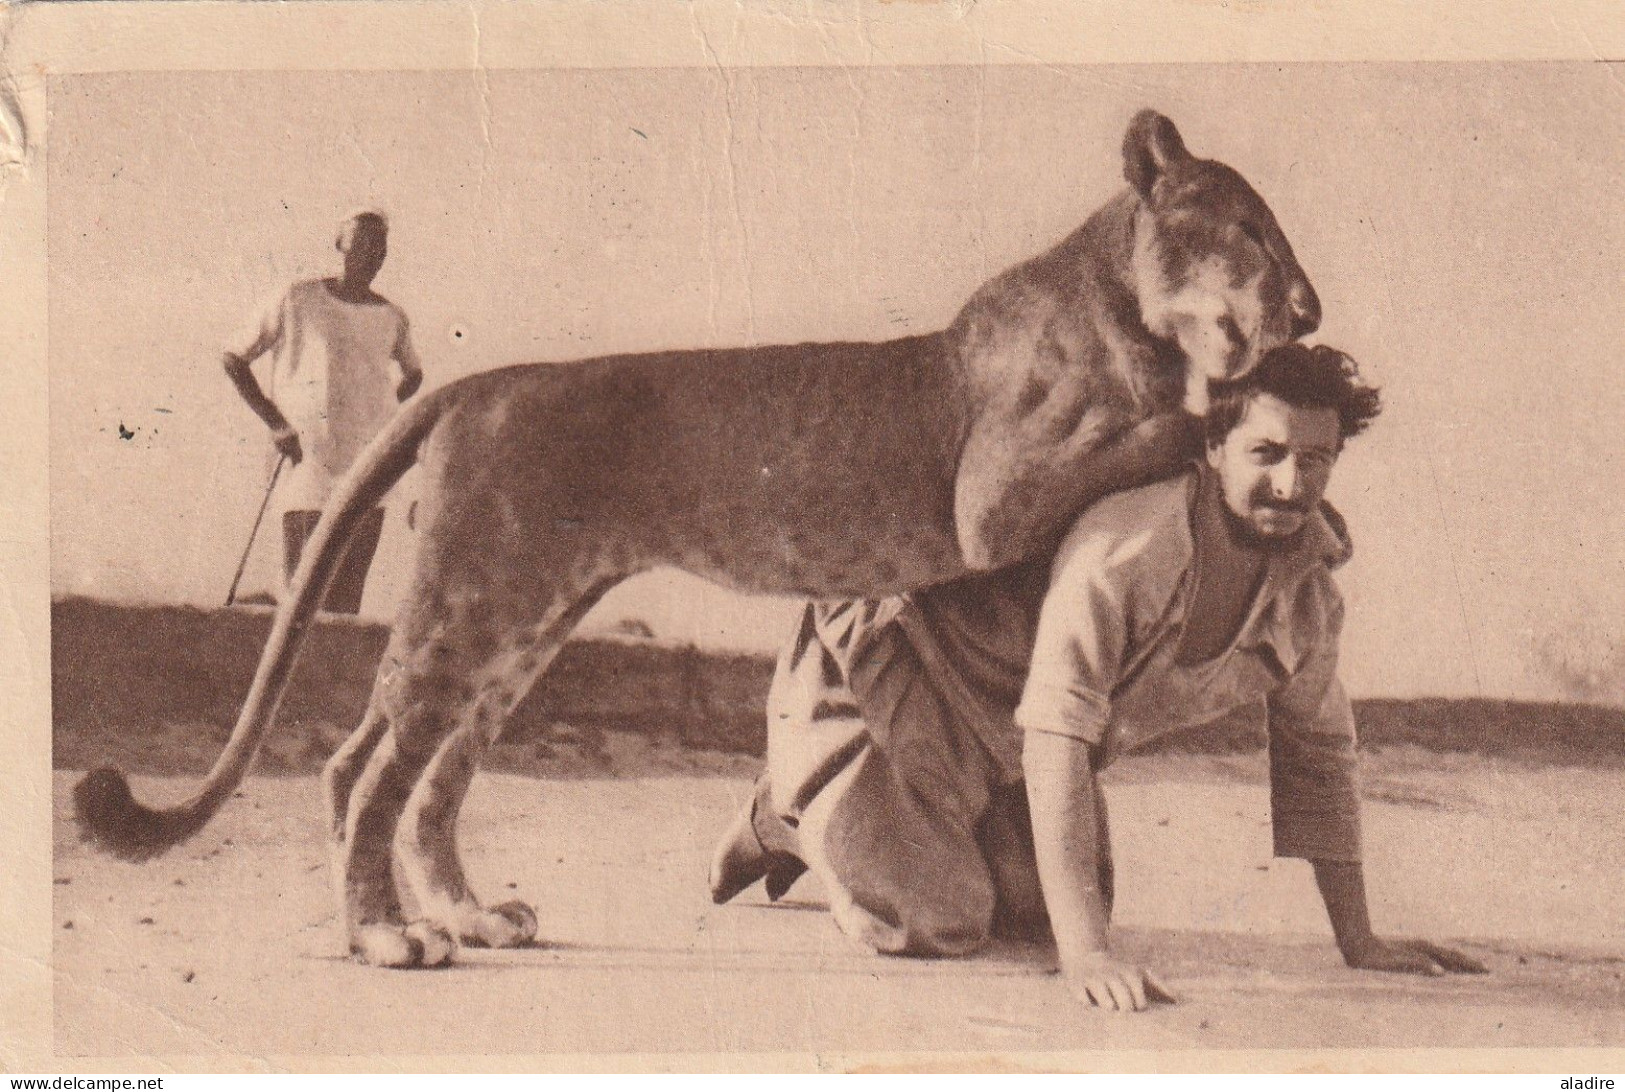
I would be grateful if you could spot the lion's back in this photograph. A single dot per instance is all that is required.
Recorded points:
(811, 468)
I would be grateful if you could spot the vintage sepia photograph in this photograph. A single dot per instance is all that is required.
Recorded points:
(704, 563)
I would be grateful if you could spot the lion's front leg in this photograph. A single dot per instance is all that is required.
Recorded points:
(1017, 494)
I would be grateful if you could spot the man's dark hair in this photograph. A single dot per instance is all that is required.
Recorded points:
(1306, 376)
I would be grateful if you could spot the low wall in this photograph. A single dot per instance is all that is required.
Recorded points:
(156, 690)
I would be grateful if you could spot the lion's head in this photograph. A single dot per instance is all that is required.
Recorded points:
(1212, 269)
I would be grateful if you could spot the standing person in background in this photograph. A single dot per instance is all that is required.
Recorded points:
(342, 358)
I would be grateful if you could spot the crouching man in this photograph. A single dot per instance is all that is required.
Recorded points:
(933, 758)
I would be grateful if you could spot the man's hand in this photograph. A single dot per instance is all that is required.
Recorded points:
(1342, 885)
(287, 442)
(1113, 985)
(408, 386)
(1409, 957)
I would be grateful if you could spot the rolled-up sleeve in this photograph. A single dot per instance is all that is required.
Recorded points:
(1079, 648)
(1314, 793)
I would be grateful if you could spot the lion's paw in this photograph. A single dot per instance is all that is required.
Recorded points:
(420, 944)
(509, 925)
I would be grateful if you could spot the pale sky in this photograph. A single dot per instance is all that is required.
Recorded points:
(1462, 224)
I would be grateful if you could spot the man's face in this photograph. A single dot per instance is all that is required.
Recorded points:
(368, 245)
(1274, 466)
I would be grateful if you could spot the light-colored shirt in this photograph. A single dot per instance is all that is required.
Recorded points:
(335, 367)
(1100, 663)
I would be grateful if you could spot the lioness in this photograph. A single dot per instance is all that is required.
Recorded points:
(815, 470)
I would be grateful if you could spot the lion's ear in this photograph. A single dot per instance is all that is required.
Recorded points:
(1150, 147)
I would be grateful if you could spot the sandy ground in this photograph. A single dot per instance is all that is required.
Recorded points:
(229, 944)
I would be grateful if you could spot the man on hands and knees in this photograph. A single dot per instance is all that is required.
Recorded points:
(934, 757)
(342, 358)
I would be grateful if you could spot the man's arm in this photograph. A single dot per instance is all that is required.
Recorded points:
(406, 356)
(282, 433)
(1315, 809)
(238, 361)
(1067, 840)
(1078, 656)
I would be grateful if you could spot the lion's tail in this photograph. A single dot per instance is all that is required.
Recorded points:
(109, 816)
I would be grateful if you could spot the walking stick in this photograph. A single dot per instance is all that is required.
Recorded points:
(231, 596)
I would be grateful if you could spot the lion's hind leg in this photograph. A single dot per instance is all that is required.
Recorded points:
(458, 664)
(344, 769)
(425, 692)
(339, 777)
(378, 930)
(426, 844)
(430, 865)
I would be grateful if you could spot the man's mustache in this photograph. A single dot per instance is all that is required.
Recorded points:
(1284, 506)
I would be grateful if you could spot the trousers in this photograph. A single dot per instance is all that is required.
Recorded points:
(344, 594)
(879, 785)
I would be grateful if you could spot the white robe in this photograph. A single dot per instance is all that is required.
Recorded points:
(335, 367)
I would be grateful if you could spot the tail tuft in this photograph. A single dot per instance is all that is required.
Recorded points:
(111, 819)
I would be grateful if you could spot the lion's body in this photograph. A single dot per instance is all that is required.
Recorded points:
(850, 469)
(642, 454)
